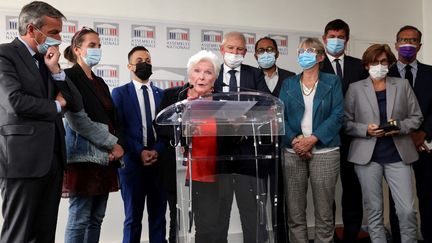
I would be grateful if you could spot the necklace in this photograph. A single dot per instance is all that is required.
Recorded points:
(302, 86)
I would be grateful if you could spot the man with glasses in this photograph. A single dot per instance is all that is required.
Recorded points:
(238, 177)
(349, 69)
(419, 75)
(136, 103)
(32, 144)
(266, 54)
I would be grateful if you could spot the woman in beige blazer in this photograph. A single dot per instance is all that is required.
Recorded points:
(377, 152)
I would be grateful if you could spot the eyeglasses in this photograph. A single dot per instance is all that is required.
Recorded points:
(408, 40)
(268, 50)
(308, 50)
(382, 62)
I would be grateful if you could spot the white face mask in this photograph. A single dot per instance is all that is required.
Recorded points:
(378, 71)
(233, 60)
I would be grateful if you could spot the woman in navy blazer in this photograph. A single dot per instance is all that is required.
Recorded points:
(313, 117)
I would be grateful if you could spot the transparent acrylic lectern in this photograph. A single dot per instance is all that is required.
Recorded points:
(227, 150)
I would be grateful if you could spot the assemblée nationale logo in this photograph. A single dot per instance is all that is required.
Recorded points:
(143, 35)
(168, 77)
(110, 74)
(250, 41)
(68, 30)
(11, 27)
(211, 39)
(282, 42)
(108, 33)
(178, 38)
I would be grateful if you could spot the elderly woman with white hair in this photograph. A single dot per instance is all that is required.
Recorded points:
(202, 71)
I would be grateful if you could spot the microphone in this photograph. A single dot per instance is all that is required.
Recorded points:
(240, 88)
(187, 87)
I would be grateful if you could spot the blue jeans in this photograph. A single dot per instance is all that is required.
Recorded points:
(85, 218)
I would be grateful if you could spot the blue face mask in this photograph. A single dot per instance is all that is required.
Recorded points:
(306, 60)
(93, 56)
(335, 46)
(49, 41)
(266, 60)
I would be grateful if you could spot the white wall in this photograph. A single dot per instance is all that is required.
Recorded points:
(370, 21)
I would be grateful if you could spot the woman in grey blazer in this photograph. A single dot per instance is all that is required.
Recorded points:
(378, 149)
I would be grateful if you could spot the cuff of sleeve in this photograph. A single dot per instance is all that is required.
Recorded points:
(61, 76)
(58, 106)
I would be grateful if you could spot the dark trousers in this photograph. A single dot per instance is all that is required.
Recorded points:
(423, 175)
(204, 196)
(279, 214)
(137, 186)
(245, 189)
(352, 202)
(172, 202)
(30, 206)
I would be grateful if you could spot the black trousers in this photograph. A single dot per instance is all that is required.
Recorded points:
(352, 202)
(423, 175)
(30, 206)
(244, 188)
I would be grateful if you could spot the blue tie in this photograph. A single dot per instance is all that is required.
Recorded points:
(232, 81)
(149, 119)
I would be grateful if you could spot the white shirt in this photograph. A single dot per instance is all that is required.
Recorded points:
(139, 93)
(414, 68)
(227, 76)
(333, 62)
(271, 81)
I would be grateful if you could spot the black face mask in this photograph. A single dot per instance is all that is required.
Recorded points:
(143, 70)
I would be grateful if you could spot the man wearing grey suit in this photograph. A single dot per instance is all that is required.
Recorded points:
(33, 93)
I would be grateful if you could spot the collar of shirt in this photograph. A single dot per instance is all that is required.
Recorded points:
(401, 67)
(138, 85)
(332, 58)
(28, 47)
(226, 69)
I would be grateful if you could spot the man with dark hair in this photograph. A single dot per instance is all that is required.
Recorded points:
(350, 69)
(408, 44)
(266, 54)
(33, 92)
(136, 103)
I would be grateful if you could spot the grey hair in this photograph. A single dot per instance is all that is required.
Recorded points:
(204, 56)
(33, 13)
(315, 43)
(234, 34)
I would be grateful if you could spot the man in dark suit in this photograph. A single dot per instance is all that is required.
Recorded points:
(136, 104)
(238, 177)
(350, 69)
(32, 146)
(408, 43)
(266, 54)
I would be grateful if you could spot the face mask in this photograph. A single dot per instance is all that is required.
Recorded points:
(93, 56)
(143, 70)
(233, 60)
(407, 51)
(378, 71)
(335, 46)
(49, 41)
(306, 60)
(266, 60)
